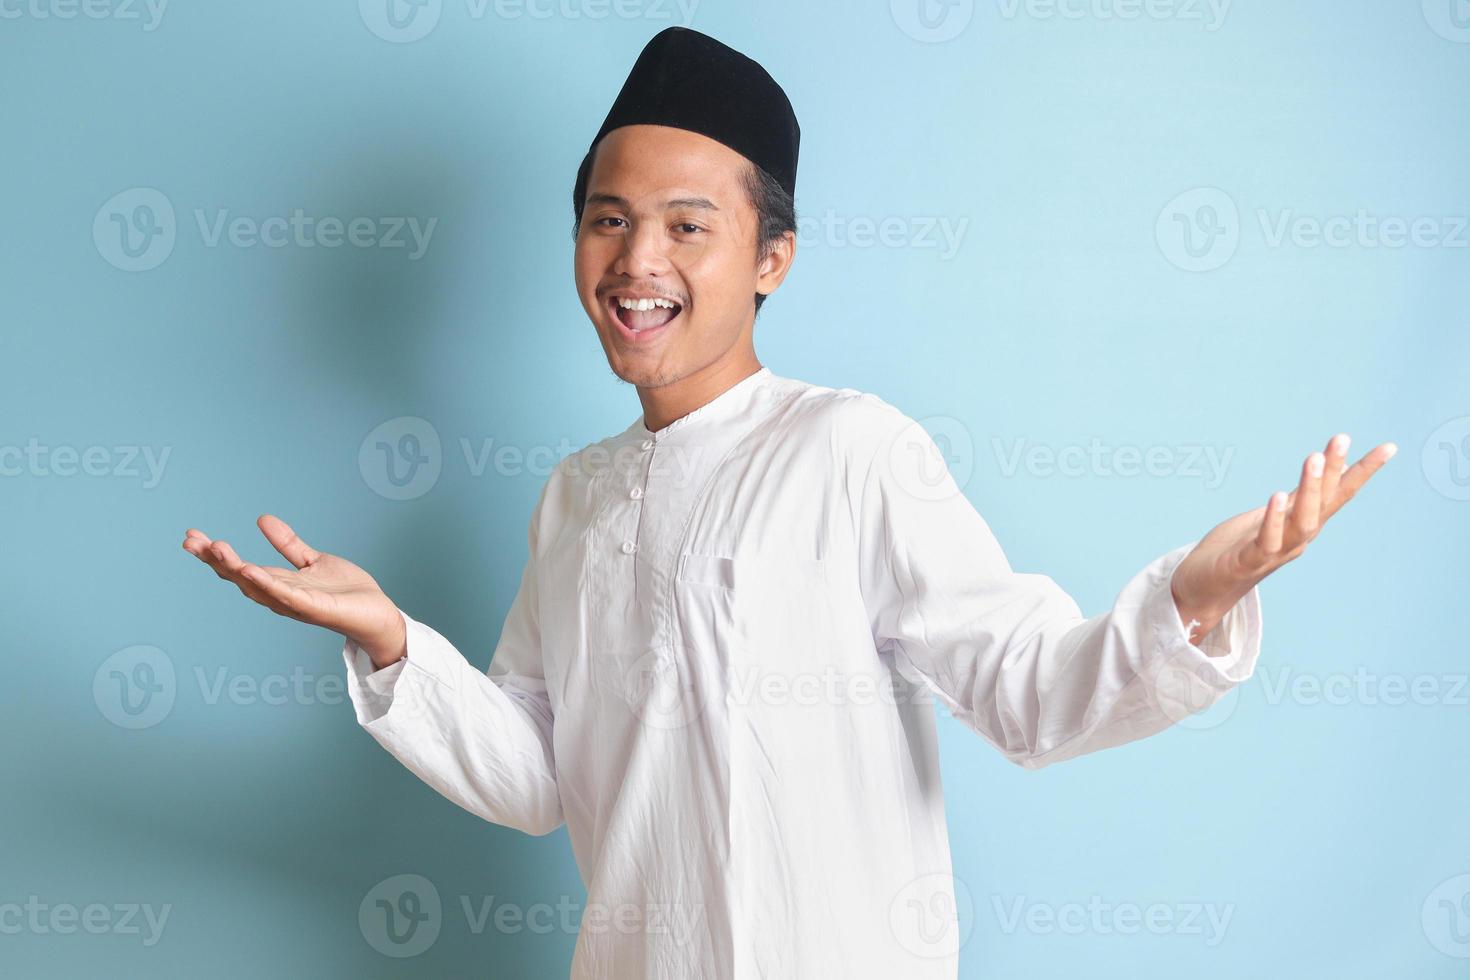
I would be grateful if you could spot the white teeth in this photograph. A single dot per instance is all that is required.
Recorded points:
(645, 304)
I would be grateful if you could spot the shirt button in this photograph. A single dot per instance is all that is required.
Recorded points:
(629, 547)
(636, 493)
(647, 444)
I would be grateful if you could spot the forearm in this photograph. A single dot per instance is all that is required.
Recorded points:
(483, 742)
(1022, 667)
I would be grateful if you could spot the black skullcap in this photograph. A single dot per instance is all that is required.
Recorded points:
(689, 80)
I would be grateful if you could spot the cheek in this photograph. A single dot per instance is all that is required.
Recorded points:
(588, 267)
(583, 256)
(715, 275)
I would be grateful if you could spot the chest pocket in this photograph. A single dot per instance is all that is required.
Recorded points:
(765, 615)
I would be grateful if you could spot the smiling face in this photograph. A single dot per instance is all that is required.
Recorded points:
(668, 225)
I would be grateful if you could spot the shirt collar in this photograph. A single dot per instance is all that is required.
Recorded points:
(733, 402)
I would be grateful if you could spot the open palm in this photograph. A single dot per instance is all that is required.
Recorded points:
(1238, 553)
(320, 589)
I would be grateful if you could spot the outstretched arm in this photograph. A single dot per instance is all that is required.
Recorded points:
(1010, 654)
(482, 739)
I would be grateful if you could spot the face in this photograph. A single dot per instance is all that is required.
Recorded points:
(667, 219)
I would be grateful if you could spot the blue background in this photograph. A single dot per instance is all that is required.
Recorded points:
(1329, 831)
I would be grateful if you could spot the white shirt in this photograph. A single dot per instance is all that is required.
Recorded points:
(720, 672)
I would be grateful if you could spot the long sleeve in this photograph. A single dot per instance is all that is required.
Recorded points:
(482, 739)
(1010, 654)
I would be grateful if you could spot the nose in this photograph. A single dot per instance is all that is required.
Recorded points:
(643, 252)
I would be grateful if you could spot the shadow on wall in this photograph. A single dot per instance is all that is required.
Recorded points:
(313, 803)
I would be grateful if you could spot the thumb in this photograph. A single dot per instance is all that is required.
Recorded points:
(284, 540)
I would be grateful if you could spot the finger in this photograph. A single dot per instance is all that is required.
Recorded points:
(206, 552)
(228, 561)
(220, 556)
(229, 565)
(195, 542)
(1358, 474)
(286, 541)
(1273, 526)
(247, 579)
(1337, 448)
(1306, 512)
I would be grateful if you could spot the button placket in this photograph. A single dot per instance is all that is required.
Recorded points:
(630, 547)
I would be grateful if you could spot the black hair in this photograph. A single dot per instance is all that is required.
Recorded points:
(774, 209)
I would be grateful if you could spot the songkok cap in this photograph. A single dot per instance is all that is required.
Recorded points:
(688, 80)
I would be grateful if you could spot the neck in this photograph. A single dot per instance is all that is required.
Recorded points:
(665, 403)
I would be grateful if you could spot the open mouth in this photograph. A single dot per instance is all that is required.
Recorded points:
(641, 318)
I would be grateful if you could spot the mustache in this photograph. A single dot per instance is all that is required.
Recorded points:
(607, 291)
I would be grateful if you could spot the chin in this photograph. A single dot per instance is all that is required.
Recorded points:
(644, 376)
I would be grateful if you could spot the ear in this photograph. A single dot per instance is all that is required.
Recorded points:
(773, 268)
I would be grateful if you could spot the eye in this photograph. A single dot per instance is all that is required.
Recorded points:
(687, 228)
(599, 221)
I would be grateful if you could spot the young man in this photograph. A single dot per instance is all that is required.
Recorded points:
(719, 668)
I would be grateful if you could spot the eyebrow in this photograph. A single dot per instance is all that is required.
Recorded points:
(697, 203)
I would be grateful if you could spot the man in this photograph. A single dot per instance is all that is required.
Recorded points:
(718, 669)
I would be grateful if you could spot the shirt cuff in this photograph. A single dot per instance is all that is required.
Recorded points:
(425, 667)
(1223, 658)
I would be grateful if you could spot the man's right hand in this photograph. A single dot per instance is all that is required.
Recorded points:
(322, 590)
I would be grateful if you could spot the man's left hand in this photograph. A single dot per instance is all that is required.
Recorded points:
(1229, 561)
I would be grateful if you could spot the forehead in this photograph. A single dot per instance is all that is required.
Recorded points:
(650, 164)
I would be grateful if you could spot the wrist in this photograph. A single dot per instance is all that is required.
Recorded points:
(1198, 618)
(388, 647)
